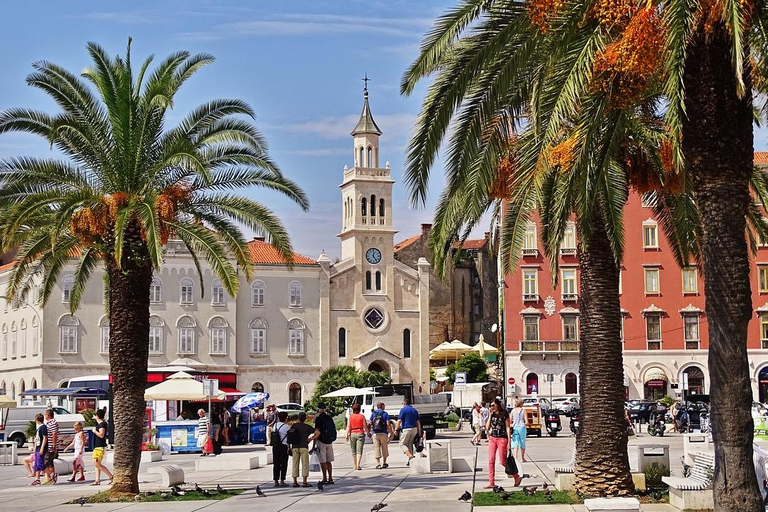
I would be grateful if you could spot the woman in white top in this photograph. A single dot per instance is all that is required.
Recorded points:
(518, 430)
(477, 424)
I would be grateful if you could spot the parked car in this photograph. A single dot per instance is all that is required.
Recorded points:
(639, 412)
(289, 408)
(17, 420)
(544, 403)
(565, 405)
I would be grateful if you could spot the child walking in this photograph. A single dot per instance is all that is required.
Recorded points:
(78, 443)
(41, 447)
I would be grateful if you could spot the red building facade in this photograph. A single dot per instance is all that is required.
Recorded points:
(664, 332)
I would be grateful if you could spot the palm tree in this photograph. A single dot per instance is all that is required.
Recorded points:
(126, 185)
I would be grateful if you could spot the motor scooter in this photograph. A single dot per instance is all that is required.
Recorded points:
(656, 425)
(552, 422)
(683, 419)
(575, 420)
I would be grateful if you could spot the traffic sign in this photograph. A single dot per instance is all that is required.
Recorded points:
(511, 381)
(460, 381)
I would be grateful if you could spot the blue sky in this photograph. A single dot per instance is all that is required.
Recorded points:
(298, 63)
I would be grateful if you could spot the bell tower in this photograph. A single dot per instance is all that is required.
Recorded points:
(367, 234)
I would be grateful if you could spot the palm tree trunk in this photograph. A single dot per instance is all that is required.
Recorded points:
(717, 144)
(602, 462)
(128, 354)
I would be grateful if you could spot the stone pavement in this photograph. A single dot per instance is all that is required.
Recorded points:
(354, 490)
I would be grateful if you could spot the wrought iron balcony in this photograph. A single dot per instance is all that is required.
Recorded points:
(548, 346)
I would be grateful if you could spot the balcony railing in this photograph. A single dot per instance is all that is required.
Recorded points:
(530, 251)
(549, 346)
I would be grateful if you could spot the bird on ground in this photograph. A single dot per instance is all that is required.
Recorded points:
(150, 493)
(260, 492)
(165, 495)
(178, 493)
(530, 491)
(657, 495)
(320, 486)
(220, 490)
(497, 489)
(198, 488)
(465, 497)
(176, 488)
(137, 498)
(544, 487)
(81, 500)
(548, 492)
(550, 497)
(504, 495)
(378, 507)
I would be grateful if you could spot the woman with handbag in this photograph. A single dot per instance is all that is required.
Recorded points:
(499, 432)
(280, 449)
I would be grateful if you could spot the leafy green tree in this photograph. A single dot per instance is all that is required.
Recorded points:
(472, 364)
(126, 182)
(337, 377)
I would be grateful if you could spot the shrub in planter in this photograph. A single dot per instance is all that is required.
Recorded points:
(452, 417)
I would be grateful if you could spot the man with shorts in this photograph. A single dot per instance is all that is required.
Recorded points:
(100, 446)
(52, 452)
(324, 436)
(381, 432)
(410, 428)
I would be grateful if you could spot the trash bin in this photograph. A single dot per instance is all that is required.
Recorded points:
(440, 456)
(652, 455)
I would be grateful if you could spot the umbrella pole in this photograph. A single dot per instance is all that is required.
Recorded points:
(249, 426)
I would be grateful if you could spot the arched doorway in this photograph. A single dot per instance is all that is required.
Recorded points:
(655, 380)
(571, 384)
(695, 381)
(762, 387)
(532, 383)
(294, 393)
(379, 366)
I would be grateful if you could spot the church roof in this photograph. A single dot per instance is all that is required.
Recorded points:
(405, 243)
(263, 253)
(366, 124)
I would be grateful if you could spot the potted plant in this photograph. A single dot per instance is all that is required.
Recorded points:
(150, 452)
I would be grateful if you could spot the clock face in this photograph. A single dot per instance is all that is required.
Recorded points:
(373, 256)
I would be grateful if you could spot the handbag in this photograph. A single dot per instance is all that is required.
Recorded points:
(208, 446)
(510, 467)
(314, 461)
(419, 444)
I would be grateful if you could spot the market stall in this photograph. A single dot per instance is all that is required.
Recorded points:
(248, 429)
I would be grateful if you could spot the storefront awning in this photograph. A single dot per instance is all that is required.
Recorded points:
(653, 374)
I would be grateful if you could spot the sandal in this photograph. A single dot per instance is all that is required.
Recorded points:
(378, 467)
(35, 482)
(96, 483)
(306, 485)
(296, 485)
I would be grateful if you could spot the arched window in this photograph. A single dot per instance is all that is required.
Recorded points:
(571, 384)
(14, 339)
(367, 279)
(22, 386)
(104, 335)
(257, 387)
(363, 204)
(378, 281)
(156, 334)
(217, 292)
(217, 328)
(294, 289)
(33, 385)
(68, 334)
(258, 336)
(532, 383)
(342, 342)
(2, 386)
(186, 291)
(257, 296)
(35, 337)
(186, 327)
(407, 343)
(5, 341)
(13, 390)
(360, 160)
(370, 156)
(373, 206)
(23, 339)
(381, 207)
(156, 291)
(294, 393)
(295, 337)
(66, 288)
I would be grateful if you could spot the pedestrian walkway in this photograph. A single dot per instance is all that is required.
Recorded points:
(353, 490)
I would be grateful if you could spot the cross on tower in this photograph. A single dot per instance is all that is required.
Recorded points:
(366, 80)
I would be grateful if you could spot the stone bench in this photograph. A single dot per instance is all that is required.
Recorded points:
(8, 453)
(611, 504)
(62, 466)
(169, 474)
(695, 491)
(231, 462)
(695, 443)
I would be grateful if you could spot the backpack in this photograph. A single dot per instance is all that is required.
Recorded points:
(378, 424)
(328, 430)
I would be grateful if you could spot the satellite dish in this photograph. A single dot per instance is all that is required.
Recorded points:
(494, 327)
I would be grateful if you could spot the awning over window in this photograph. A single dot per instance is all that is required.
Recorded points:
(655, 373)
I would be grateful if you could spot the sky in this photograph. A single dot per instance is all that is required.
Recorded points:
(299, 64)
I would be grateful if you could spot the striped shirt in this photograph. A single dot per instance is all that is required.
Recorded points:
(203, 425)
(53, 429)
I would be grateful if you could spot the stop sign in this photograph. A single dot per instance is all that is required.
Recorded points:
(511, 381)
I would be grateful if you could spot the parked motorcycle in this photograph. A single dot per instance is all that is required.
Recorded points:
(683, 419)
(656, 425)
(575, 420)
(552, 422)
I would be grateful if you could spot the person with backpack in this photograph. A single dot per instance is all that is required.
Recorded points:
(325, 435)
(280, 449)
(380, 433)
(357, 429)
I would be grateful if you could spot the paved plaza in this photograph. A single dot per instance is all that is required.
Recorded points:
(354, 490)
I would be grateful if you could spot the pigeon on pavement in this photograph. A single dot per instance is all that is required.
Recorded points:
(497, 489)
(504, 495)
(320, 486)
(260, 492)
(545, 486)
(378, 507)
(198, 488)
(81, 500)
(220, 490)
(465, 497)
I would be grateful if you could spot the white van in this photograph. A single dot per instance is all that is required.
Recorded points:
(18, 419)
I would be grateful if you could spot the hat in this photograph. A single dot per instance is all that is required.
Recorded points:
(321, 405)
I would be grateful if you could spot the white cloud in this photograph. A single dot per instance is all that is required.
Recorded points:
(315, 152)
(338, 127)
(127, 18)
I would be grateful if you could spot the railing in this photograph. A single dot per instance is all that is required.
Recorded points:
(530, 252)
(530, 297)
(544, 346)
(567, 251)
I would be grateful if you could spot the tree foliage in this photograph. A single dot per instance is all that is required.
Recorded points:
(473, 364)
(337, 377)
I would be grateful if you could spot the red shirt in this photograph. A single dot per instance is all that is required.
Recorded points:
(356, 423)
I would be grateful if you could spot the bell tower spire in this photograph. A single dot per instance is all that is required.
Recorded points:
(366, 134)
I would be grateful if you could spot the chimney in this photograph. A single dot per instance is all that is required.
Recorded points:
(425, 229)
(258, 238)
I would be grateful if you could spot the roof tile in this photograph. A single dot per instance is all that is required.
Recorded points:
(263, 253)
(405, 243)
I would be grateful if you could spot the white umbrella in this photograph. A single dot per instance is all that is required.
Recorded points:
(484, 347)
(7, 402)
(349, 391)
(180, 386)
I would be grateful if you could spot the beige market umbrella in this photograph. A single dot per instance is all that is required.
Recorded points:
(7, 402)
(180, 386)
(482, 347)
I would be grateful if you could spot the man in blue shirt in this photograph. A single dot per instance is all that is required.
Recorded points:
(410, 428)
(381, 432)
